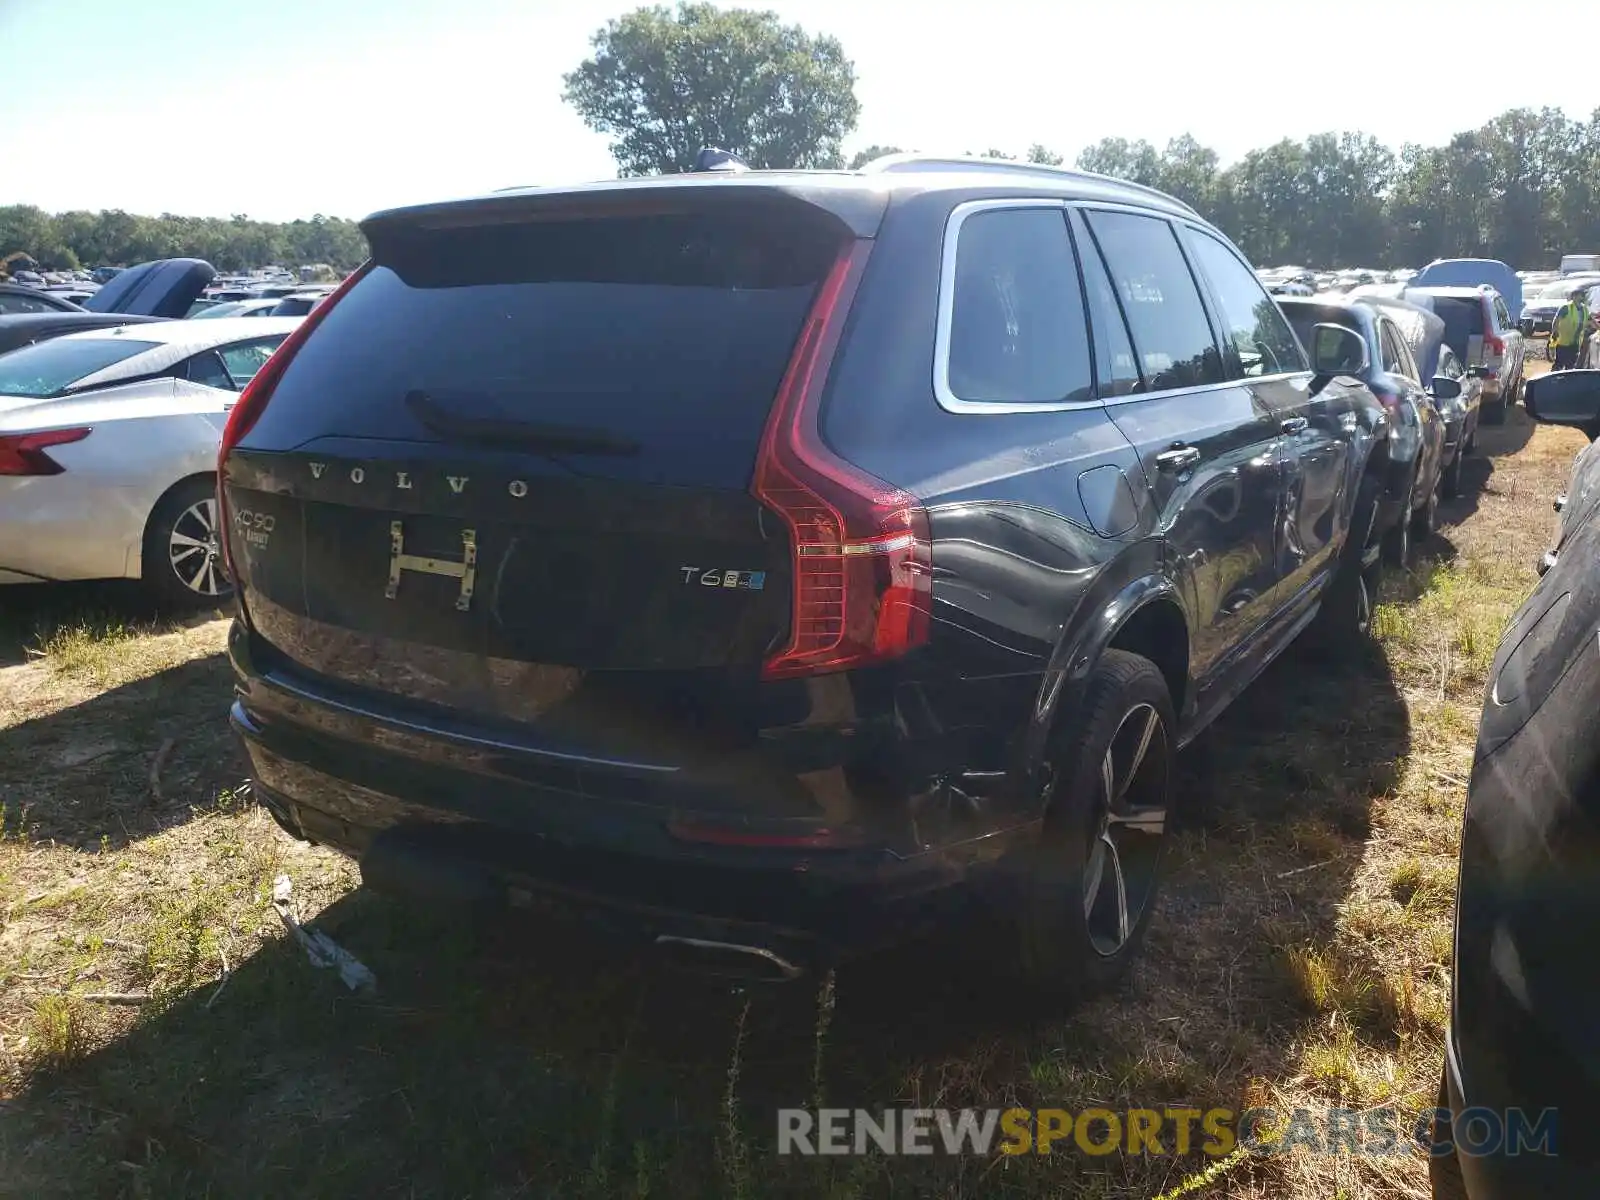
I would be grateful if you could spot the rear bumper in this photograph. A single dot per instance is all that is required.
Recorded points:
(803, 910)
(461, 815)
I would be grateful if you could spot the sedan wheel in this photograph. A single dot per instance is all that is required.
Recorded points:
(183, 563)
(194, 552)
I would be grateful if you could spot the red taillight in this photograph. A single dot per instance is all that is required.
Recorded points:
(862, 566)
(256, 393)
(253, 400)
(1494, 345)
(24, 453)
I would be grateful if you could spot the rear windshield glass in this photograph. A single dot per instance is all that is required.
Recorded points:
(1463, 319)
(51, 368)
(669, 333)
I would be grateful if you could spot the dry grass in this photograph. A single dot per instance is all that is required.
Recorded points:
(1300, 957)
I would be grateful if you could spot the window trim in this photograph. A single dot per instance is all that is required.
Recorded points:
(1088, 245)
(942, 392)
(952, 403)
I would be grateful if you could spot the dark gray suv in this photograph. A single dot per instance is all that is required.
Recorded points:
(762, 560)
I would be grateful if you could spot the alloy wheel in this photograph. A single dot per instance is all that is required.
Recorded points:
(194, 550)
(1120, 876)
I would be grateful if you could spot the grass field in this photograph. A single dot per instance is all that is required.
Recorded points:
(1299, 957)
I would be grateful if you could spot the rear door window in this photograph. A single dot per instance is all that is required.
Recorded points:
(1397, 358)
(1257, 339)
(669, 333)
(1017, 329)
(207, 369)
(1389, 345)
(244, 359)
(1171, 334)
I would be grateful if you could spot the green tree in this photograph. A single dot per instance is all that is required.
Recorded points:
(1043, 155)
(1269, 204)
(1188, 171)
(26, 228)
(664, 84)
(862, 157)
(1136, 162)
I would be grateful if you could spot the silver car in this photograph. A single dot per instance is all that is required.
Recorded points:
(108, 448)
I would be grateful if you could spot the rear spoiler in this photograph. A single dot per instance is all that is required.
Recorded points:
(843, 197)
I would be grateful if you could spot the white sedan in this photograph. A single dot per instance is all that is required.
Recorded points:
(108, 452)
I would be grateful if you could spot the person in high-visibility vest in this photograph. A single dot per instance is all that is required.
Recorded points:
(1567, 330)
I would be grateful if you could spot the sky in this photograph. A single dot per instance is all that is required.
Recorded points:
(285, 108)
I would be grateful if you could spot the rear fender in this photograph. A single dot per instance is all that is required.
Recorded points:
(1101, 619)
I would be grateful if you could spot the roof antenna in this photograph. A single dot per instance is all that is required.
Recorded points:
(713, 159)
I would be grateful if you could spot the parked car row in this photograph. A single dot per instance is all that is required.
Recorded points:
(1440, 361)
(109, 425)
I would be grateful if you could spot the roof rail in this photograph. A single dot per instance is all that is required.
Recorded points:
(910, 163)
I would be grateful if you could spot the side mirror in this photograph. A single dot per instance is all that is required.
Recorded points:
(1335, 350)
(1445, 388)
(1566, 398)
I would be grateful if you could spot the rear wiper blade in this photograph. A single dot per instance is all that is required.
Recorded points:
(537, 435)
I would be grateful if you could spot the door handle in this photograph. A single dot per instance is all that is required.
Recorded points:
(1179, 458)
(1295, 424)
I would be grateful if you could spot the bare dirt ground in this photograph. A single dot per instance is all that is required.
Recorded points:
(1300, 955)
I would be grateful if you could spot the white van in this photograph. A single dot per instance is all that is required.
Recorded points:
(1571, 264)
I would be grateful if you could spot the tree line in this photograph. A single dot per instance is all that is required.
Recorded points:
(662, 83)
(1524, 187)
(64, 241)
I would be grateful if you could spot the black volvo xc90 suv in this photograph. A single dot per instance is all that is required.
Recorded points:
(760, 557)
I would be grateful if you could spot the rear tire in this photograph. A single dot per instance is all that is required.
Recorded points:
(1450, 481)
(1425, 522)
(1495, 414)
(1397, 539)
(1344, 619)
(182, 559)
(1090, 885)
